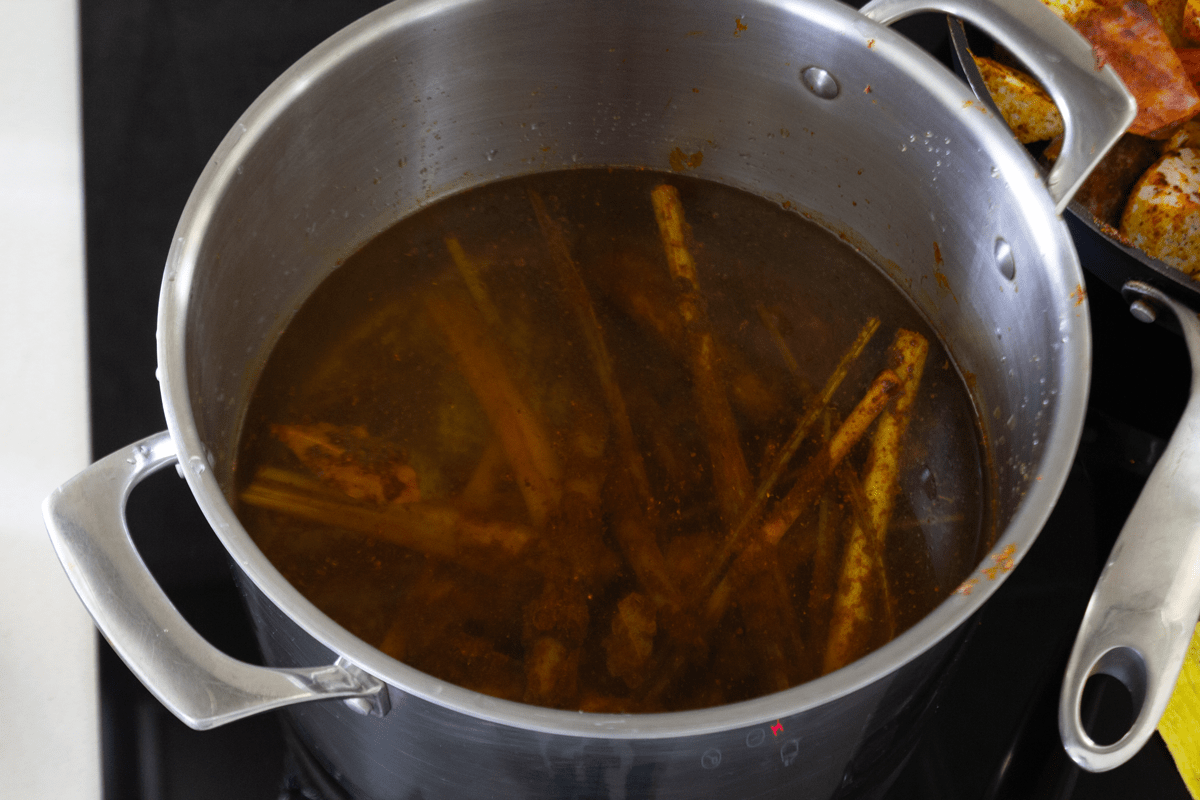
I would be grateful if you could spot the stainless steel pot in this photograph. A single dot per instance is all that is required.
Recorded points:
(806, 101)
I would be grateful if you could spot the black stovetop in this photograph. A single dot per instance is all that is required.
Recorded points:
(163, 81)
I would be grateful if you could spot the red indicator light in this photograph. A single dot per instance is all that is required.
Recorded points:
(777, 728)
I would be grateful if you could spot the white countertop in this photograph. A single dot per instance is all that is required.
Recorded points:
(49, 729)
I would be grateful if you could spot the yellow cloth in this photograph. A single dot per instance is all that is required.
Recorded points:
(1180, 723)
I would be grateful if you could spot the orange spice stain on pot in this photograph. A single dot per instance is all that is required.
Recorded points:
(972, 104)
(740, 26)
(942, 281)
(966, 586)
(680, 160)
(1079, 294)
(1002, 562)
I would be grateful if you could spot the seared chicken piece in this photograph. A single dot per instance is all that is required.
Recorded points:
(1163, 214)
(1022, 101)
(1130, 39)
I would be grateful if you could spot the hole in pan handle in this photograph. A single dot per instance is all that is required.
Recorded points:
(1095, 106)
(85, 518)
(1143, 611)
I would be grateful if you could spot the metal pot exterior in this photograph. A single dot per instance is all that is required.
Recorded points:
(852, 747)
(802, 101)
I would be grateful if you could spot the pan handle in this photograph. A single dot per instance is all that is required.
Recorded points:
(1144, 609)
(1095, 106)
(198, 683)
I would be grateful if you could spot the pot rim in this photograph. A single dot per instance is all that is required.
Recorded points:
(182, 263)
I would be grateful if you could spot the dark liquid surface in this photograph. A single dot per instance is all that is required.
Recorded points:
(433, 457)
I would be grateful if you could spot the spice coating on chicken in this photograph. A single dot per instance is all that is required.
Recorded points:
(1163, 215)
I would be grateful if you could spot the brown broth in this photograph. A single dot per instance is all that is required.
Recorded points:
(512, 545)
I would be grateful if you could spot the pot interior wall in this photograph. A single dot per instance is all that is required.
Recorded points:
(406, 107)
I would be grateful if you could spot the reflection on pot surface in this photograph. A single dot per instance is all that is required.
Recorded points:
(550, 442)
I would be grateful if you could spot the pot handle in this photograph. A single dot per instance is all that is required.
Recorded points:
(1144, 609)
(1094, 103)
(85, 518)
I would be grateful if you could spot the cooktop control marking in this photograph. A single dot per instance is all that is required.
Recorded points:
(777, 728)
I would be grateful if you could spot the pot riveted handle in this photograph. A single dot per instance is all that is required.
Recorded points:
(1094, 103)
(198, 683)
(1143, 611)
